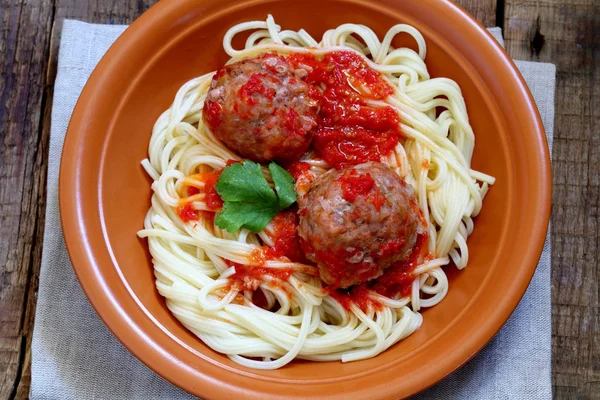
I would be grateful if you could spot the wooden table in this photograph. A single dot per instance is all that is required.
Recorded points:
(566, 33)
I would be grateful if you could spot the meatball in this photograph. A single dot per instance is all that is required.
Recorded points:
(262, 109)
(356, 222)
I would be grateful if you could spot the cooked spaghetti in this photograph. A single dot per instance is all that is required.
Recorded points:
(263, 299)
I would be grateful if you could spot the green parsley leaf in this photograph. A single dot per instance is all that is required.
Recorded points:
(248, 200)
(251, 216)
(244, 182)
(253, 167)
(284, 185)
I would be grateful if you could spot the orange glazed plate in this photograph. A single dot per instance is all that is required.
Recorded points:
(105, 193)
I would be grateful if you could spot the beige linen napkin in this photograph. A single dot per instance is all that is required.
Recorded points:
(74, 356)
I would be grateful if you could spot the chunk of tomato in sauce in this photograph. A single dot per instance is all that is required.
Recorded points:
(212, 198)
(255, 86)
(355, 184)
(298, 169)
(285, 238)
(398, 277)
(187, 213)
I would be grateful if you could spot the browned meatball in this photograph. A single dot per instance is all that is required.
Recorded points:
(261, 109)
(356, 222)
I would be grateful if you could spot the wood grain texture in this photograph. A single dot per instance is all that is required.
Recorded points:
(568, 35)
(30, 35)
(23, 384)
(23, 148)
(484, 11)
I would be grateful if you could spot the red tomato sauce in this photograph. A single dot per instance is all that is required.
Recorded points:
(249, 277)
(396, 279)
(337, 263)
(212, 198)
(187, 213)
(298, 169)
(290, 122)
(208, 216)
(355, 184)
(286, 244)
(350, 132)
(192, 190)
(213, 114)
(255, 86)
(286, 240)
(301, 173)
(247, 93)
(358, 295)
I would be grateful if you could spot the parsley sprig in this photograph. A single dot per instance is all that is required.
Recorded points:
(249, 201)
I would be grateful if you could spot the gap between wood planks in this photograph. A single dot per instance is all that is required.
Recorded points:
(567, 33)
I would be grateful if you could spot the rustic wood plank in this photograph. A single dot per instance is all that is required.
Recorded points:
(26, 87)
(567, 33)
(484, 11)
(23, 60)
(15, 347)
(24, 382)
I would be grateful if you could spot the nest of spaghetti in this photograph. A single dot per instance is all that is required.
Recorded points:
(307, 194)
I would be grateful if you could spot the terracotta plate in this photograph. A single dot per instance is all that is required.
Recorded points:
(104, 194)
